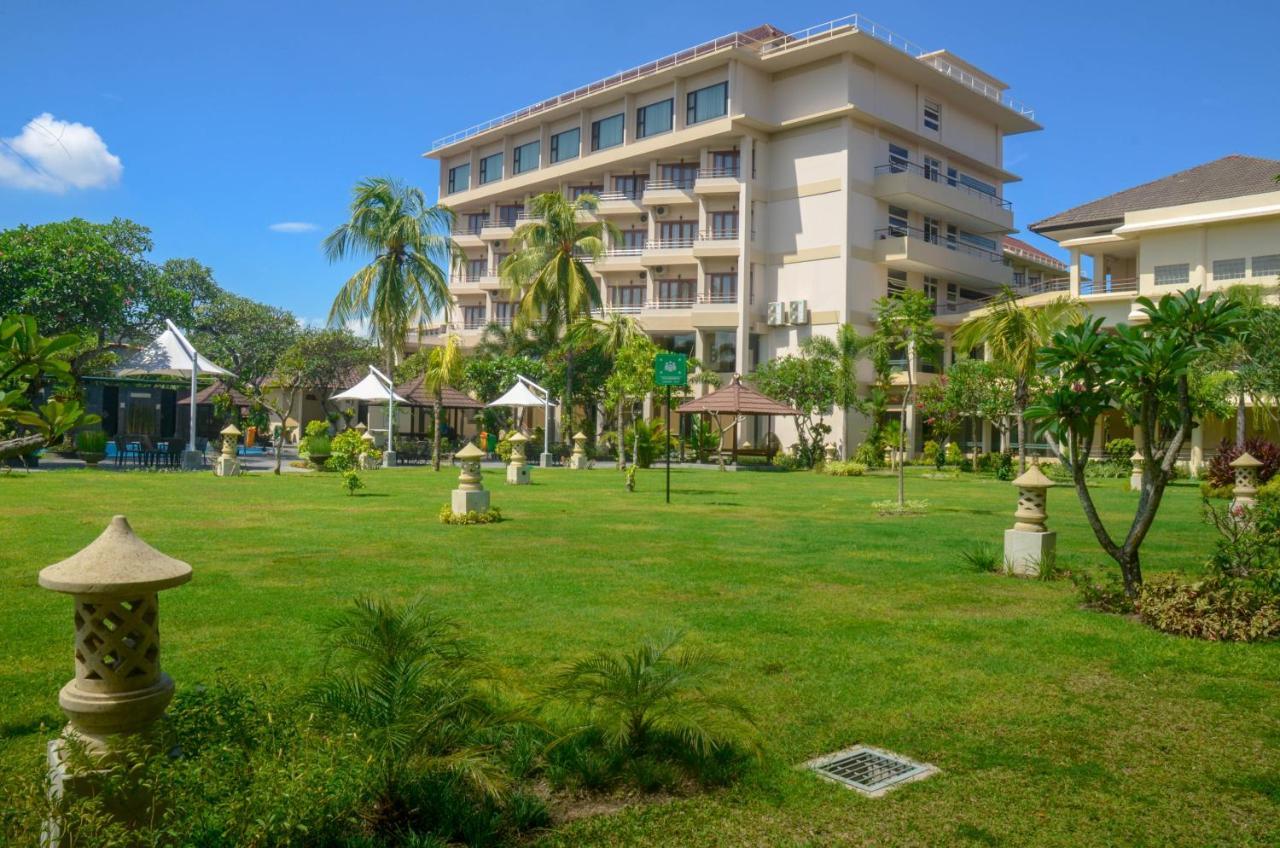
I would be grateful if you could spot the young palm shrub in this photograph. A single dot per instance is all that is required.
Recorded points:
(649, 718)
(412, 694)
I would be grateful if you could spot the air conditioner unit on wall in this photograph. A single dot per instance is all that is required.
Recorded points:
(644, 217)
(799, 312)
(776, 314)
(661, 210)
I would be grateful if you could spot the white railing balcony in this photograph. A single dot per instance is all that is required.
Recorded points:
(622, 309)
(622, 252)
(721, 298)
(936, 176)
(469, 229)
(685, 184)
(732, 172)
(722, 234)
(670, 244)
(1126, 285)
(671, 303)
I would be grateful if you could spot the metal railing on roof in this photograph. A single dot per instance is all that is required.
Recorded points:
(801, 38)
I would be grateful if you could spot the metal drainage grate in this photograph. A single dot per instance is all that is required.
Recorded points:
(869, 770)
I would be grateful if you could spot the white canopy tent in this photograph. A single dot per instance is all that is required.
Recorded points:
(375, 388)
(528, 394)
(171, 355)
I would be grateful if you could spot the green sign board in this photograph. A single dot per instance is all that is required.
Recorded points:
(671, 369)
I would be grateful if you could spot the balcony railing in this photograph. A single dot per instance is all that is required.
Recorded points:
(619, 196)
(963, 306)
(469, 229)
(732, 297)
(622, 252)
(623, 309)
(732, 172)
(939, 239)
(1112, 286)
(474, 323)
(722, 234)
(669, 244)
(671, 303)
(936, 176)
(683, 184)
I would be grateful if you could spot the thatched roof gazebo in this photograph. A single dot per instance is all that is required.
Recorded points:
(417, 395)
(737, 400)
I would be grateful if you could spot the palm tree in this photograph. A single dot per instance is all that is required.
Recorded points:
(444, 368)
(1014, 334)
(410, 246)
(609, 336)
(412, 692)
(546, 273)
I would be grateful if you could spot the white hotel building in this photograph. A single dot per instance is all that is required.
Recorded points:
(768, 187)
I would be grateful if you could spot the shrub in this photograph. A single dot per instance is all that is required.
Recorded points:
(929, 454)
(848, 468)
(648, 716)
(91, 441)
(1120, 450)
(1248, 545)
(785, 461)
(492, 515)
(1104, 593)
(1221, 473)
(954, 454)
(351, 481)
(345, 449)
(869, 454)
(1002, 465)
(1216, 609)
(1208, 490)
(984, 558)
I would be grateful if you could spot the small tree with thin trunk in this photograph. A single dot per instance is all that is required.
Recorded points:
(445, 367)
(1144, 371)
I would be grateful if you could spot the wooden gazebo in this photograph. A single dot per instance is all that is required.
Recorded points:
(737, 400)
(451, 399)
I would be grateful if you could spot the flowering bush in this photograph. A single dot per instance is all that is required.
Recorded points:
(1222, 474)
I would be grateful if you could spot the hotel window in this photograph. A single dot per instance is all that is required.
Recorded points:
(476, 221)
(931, 289)
(460, 178)
(1019, 279)
(681, 174)
(897, 221)
(607, 132)
(975, 184)
(654, 118)
(1173, 275)
(498, 259)
(1228, 269)
(676, 291)
(707, 103)
(932, 115)
(1033, 280)
(476, 268)
(724, 225)
(566, 145)
(726, 162)
(632, 186)
(626, 296)
(723, 288)
(897, 283)
(1266, 266)
(633, 239)
(577, 191)
(472, 317)
(722, 353)
(899, 158)
(507, 214)
(677, 230)
(525, 157)
(491, 168)
(932, 168)
(503, 311)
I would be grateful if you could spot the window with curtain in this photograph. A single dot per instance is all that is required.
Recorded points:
(566, 145)
(654, 119)
(707, 103)
(491, 168)
(459, 178)
(525, 157)
(607, 132)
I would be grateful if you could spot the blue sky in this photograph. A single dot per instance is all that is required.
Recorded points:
(226, 118)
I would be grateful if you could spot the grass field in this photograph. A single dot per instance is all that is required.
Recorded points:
(1051, 725)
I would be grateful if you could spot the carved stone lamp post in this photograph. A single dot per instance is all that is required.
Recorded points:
(1135, 476)
(1245, 493)
(1030, 545)
(470, 495)
(228, 464)
(518, 471)
(578, 460)
(366, 449)
(829, 452)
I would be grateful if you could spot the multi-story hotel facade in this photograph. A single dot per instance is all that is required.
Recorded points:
(767, 187)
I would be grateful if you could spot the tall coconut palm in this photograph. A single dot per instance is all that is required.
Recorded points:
(547, 273)
(444, 368)
(405, 282)
(1014, 334)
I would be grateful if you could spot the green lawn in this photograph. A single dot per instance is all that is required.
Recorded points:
(1051, 725)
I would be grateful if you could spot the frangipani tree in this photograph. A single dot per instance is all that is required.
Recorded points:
(1144, 371)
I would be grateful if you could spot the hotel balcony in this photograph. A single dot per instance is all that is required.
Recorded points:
(677, 251)
(910, 249)
(716, 311)
(714, 243)
(619, 203)
(929, 191)
(465, 235)
(718, 181)
(620, 259)
(669, 192)
(499, 230)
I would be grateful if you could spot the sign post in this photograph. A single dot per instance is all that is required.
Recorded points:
(670, 369)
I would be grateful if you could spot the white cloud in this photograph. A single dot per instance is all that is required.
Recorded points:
(292, 227)
(53, 156)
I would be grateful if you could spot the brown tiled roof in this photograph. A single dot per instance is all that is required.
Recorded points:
(413, 392)
(1018, 247)
(206, 394)
(1230, 176)
(737, 399)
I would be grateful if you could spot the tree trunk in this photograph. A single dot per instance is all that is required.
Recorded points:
(1021, 401)
(622, 442)
(279, 440)
(435, 434)
(20, 445)
(902, 440)
(566, 413)
(1240, 420)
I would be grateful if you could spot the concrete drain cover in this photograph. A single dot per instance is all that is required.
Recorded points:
(869, 770)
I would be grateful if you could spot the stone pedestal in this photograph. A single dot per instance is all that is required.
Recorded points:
(464, 501)
(579, 463)
(518, 470)
(470, 494)
(1135, 476)
(388, 458)
(578, 459)
(1026, 551)
(518, 475)
(226, 466)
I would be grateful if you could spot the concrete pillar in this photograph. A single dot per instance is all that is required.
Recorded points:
(1075, 272)
(1197, 451)
(1030, 546)
(470, 496)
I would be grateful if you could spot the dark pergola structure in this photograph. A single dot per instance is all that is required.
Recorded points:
(451, 399)
(737, 400)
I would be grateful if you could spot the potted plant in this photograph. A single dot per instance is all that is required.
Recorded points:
(316, 446)
(91, 445)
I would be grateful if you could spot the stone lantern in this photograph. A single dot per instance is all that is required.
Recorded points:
(1245, 493)
(829, 452)
(362, 428)
(119, 687)
(1030, 544)
(470, 496)
(366, 450)
(228, 463)
(1135, 476)
(578, 460)
(518, 471)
